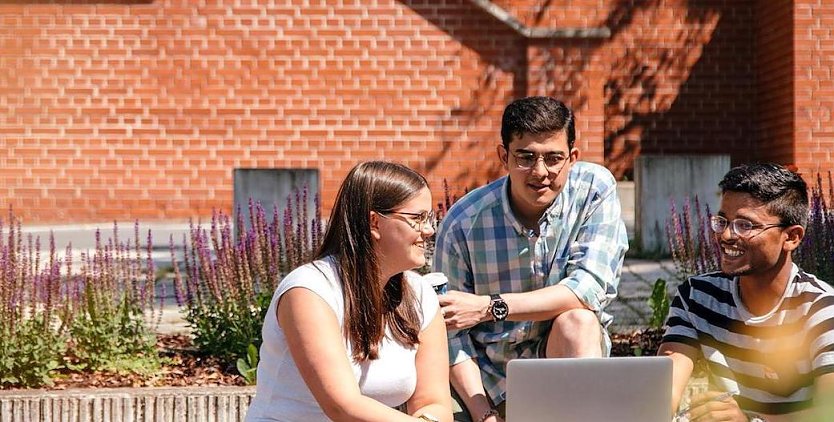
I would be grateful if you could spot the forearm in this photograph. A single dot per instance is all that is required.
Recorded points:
(683, 362)
(465, 377)
(438, 410)
(366, 409)
(541, 305)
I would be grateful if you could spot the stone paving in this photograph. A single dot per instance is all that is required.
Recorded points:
(631, 309)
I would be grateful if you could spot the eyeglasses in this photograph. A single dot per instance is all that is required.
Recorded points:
(527, 161)
(422, 219)
(741, 227)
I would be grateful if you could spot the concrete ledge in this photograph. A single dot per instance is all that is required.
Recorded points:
(539, 33)
(184, 404)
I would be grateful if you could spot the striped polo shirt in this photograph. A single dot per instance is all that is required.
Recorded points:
(772, 360)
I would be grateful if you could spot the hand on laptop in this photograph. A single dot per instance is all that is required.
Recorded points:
(463, 310)
(714, 406)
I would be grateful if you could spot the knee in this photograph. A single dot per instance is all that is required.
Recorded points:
(575, 333)
(577, 322)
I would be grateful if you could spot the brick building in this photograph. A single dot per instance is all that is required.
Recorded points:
(142, 109)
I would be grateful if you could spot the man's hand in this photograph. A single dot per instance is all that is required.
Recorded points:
(463, 310)
(710, 406)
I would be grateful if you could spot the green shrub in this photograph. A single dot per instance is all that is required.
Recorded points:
(659, 304)
(229, 278)
(30, 353)
(54, 318)
(248, 368)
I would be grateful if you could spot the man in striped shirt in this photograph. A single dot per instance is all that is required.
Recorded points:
(532, 258)
(764, 327)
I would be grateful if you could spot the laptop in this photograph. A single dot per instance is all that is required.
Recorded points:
(623, 389)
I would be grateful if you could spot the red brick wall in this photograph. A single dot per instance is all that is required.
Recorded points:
(112, 111)
(563, 13)
(142, 110)
(675, 75)
(814, 85)
(774, 61)
(681, 81)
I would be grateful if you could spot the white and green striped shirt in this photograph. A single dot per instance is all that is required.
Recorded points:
(483, 249)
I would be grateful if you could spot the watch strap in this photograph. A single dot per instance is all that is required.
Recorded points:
(488, 413)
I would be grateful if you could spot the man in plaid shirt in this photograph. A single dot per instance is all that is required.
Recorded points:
(532, 258)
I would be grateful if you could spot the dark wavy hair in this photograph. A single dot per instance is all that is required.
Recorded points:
(369, 307)
(536, 115)
(783, 191)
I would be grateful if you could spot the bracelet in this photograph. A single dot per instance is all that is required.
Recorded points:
(488, 413)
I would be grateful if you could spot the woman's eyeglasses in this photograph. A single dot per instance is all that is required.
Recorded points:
(742, 227)
(420, 221)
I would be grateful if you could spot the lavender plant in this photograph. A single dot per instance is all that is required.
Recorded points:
(693, 247)
(230, 277)
(53, 318)
(816, 253)
(115, 290)
(32, 306)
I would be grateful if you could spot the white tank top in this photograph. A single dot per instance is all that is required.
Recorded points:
(281, 393)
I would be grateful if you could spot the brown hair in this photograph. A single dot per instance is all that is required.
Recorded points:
(371, 186)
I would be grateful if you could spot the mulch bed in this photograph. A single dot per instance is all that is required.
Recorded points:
(185, 367)
(636, 343)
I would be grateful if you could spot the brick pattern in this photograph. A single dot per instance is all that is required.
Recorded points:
(563, 13)
(122, 111)
(774, 75)
(814, 85)
(142, 109)
(681, 81)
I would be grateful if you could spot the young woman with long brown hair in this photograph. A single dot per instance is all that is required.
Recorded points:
(353, 334)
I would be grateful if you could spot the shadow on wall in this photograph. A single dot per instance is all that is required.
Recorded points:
(475, 123)
(653, 69)
(688, 93)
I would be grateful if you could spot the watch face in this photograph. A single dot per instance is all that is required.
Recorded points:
(500, 310)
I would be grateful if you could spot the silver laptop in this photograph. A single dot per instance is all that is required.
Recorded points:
(623, 389)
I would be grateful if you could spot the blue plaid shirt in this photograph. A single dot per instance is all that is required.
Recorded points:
(483, 249)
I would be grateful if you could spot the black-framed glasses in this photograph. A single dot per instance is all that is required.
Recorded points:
(553, 162)
(420, 219)
(742, 227)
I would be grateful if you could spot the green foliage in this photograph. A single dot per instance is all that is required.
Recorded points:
(29, 353)
(56, 316)
(248, 368)
(114, 341)
(225, 330)
(659, 304)
(232, 270)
